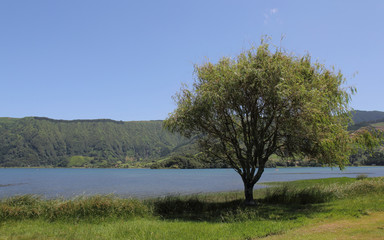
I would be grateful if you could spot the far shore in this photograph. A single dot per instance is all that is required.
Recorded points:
(278, 167)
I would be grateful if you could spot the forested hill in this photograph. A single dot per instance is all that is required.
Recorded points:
(363, 119)
(45, 142)
(367, 116)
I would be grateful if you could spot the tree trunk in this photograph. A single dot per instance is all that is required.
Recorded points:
(248, 191)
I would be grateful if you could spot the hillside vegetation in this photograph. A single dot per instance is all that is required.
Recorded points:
(367, 116)
(43, 142)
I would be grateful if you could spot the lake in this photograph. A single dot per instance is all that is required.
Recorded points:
(143, 183)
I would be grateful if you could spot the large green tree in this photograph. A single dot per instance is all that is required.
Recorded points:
(265, 102)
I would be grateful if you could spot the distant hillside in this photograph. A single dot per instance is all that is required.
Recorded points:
(367, 116)
(46, 142)
(368, 119)
(43, 142)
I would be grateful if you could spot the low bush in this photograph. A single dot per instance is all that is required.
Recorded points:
(361, 176)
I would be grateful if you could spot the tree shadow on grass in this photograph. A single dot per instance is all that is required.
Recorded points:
(195, 209)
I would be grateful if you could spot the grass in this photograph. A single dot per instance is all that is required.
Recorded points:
(294, 205)
(380, 124)
(366, 227)
(140, 229)
(84, 208)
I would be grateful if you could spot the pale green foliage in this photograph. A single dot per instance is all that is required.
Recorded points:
(266, 102)
(368, 138)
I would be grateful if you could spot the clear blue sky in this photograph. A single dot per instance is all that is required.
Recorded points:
(124, 60)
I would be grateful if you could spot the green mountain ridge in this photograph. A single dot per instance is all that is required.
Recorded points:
(45, 142)
(359, 116)
(35, 141)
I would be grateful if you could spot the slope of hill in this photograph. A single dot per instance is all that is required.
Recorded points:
(43, 142)
(368, 119)
(46, 142)
(367, 116)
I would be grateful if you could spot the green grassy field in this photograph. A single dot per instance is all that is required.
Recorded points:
(284, 209)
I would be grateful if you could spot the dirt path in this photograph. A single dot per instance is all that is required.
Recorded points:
(367, 227)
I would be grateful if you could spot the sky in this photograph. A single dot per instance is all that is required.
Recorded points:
(124, 60)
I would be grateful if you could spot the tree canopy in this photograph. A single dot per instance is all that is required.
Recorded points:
(265, 102)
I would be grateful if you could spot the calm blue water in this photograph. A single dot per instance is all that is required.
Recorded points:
(141, 183)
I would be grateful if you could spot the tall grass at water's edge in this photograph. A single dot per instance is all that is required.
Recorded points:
(31, 207)
(323, 192)
(294, 200)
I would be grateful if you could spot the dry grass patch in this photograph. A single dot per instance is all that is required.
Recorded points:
(366, 227)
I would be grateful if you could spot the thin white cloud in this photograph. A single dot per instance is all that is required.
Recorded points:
(273, 11)
(269, 14)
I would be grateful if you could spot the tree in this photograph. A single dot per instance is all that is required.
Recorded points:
(265, 102)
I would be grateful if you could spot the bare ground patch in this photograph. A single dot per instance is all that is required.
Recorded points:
(366, 227)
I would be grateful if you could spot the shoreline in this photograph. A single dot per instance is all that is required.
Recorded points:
(148, 183)
(258, 188)
(304, 204)
(278, 167)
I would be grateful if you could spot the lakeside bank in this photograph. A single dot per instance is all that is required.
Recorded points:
(203, 216)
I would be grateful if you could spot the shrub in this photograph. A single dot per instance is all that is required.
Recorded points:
(361, 176)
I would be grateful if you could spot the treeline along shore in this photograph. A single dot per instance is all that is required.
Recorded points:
(44, 142)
